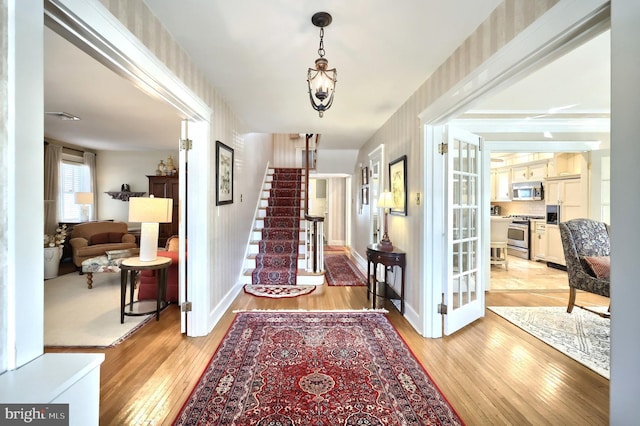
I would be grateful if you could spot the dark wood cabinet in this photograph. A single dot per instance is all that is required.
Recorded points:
(166, 187)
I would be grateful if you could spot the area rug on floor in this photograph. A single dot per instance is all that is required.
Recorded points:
(278, 291)
(315, 368)
(341, 271)
(79, 317)
(581, 335)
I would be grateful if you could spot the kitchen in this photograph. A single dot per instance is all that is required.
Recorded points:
(539, 190)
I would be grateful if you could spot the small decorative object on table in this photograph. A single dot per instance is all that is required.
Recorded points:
(162, 169)
(53, 251)
(125, 187)
(170, 168)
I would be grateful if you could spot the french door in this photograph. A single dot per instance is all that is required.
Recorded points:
(464, 292)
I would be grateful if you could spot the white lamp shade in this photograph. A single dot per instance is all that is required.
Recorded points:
(150, 210)
(385, 201)
(84, 197)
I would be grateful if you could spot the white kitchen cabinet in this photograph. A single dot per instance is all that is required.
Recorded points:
(538, 240)
(538, 172)
(501, 185)
(529, 173)
(571, 197)
(555, 252)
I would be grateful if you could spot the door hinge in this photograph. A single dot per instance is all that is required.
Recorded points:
(442, 308)
(443, 148)
(185, 307)
(186, 144)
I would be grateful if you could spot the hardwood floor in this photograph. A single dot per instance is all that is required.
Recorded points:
(527, 275)
(492, 372)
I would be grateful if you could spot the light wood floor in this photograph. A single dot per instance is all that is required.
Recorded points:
(492, 372)
(526, 275)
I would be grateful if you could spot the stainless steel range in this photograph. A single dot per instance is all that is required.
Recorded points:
(518, 240)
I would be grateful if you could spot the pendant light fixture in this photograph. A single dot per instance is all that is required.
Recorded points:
(321, 81)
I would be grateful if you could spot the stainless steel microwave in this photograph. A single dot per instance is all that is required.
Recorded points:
(527, 191)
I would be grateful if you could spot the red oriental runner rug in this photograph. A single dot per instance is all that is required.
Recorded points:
(315, 368)
(341, 271)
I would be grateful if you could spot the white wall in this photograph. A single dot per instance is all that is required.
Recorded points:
(336, 161)
(22, 182)
(625, 232)
(113, 168)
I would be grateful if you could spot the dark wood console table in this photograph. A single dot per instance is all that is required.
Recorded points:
(375, 256)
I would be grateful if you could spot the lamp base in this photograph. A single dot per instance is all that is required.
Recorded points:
(148, 242)
(385, 245)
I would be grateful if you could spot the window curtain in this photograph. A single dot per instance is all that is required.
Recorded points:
(52, 160)
(90, 161)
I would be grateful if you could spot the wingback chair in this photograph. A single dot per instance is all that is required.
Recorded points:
(587, 252)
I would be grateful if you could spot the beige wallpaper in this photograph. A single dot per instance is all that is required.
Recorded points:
(401, 133)
(231, 224)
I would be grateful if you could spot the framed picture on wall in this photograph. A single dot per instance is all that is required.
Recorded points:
(365, 195)
(365, 175)
(398, 185)
(224, 174)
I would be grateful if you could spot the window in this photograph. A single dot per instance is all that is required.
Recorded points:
(74, 177)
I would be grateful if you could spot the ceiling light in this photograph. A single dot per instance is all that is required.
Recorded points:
(63, 115)
(321, 81)
(548, 135)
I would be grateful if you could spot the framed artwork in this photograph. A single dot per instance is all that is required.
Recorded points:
(224, 174)
(398, 185)
(365, 195)
(365, 175)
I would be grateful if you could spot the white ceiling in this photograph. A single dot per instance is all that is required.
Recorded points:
(256, 54)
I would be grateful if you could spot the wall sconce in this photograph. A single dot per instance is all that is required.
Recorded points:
(321, 81)
(386, 202)
(149, 212)
(85, 199)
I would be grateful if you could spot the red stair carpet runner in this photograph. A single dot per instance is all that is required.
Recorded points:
(277, 258)
(315, 368)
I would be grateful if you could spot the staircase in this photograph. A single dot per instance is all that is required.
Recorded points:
(277, 247)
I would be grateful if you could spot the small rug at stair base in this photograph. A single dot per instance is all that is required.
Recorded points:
(581, 335)
(278, 291)
(315, 368)
(75, 316)
(340, 271)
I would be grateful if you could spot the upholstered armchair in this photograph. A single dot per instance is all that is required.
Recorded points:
(587, 253)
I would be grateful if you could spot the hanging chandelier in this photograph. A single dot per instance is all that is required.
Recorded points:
(321, 81)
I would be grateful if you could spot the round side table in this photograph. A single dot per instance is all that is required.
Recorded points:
(129, 269)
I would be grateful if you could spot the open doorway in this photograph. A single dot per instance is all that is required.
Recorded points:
(549, 127)
(136, 123)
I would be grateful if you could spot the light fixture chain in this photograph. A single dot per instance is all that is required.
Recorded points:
(321, 47)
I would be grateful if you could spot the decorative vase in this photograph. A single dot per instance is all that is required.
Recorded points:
(171, 168)
(52, 256)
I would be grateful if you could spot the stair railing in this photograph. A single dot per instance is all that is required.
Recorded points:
(314, 225)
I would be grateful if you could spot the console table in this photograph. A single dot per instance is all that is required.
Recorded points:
(393, 258)
(129, 268)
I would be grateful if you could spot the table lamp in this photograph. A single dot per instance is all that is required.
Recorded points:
(149, 212)
(385, 201)
(85, 199)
